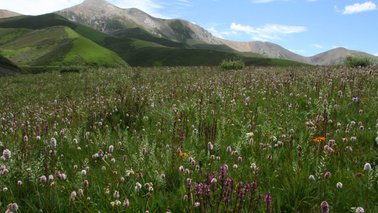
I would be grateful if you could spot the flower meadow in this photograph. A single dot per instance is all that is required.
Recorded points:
(192, 139)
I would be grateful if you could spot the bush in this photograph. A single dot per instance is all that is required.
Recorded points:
(232, 64)
(358, 62)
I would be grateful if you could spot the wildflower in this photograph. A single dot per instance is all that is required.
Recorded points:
(360, 210)
(197, 204)
(53, 143)
(7, 154)
(138, 187)
(213, 180)
(359, 174)
(210, 146)
(250, 134)
(311, 178)
(331, 143)
(327, 175)
(43, 179)
(73, 196)
(83, 172)
(126, 202)
(19, 183)
(75, 142)
(12, 207)
(81, 193)
(254, 167)
(183, 154)
(367, 167)
(116, 195)
(339, 185)
(111, 149)
(229, 149)
(324, 207)
(355, 99)
(268, 200)
(319, 139)
(115, 203)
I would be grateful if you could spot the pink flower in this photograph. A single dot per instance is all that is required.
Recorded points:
(324, 207)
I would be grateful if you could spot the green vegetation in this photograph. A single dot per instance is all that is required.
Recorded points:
(7, 67)
(190, 140)
(232, 64)
(358, 62)
(134, 45)
(55, 46)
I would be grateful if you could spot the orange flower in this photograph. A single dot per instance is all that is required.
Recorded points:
(183, 154)
(319, 139)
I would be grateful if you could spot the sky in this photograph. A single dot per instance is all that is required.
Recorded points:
(306, 27)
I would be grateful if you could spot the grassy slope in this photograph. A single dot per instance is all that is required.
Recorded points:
(7, 67)
(55, 46)
(139, 48)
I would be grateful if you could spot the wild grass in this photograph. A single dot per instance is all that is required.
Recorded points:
(193, 139)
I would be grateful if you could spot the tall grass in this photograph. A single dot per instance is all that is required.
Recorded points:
(190, 140)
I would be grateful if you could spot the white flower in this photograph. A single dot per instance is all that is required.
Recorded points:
(111, 149)
(311, 178)
(360, 210)
(53, 143)
(339, 185)
(367, 167)
(73, 196)
(138, 186)
(7, 154)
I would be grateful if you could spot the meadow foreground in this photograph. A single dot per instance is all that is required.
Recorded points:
(190, 140)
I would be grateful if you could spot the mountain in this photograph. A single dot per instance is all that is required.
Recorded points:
(136, 24)
(337, 56)
(8, 14)
(266, 49)
(113, 20)
(58, 45)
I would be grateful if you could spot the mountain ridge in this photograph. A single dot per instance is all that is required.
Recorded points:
(8, 14)
(140, 28)
(114, 20)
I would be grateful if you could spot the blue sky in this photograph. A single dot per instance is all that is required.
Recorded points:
(306, 27)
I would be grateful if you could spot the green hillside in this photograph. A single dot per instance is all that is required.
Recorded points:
(43, 41)
(7, 67)
(54, 46)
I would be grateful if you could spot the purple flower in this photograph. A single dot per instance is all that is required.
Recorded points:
(355, 99)
(327, 175)
(324, 207)
(223, 171)
(268, 198)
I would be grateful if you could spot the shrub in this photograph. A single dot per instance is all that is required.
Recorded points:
(358, 62)
(232, 64)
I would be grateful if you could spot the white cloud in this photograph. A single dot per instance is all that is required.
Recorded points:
(265, 1)
(359, 7)
(376, 54)
(267, 32)
(220, 33)
(149, 6)
(319, 46)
